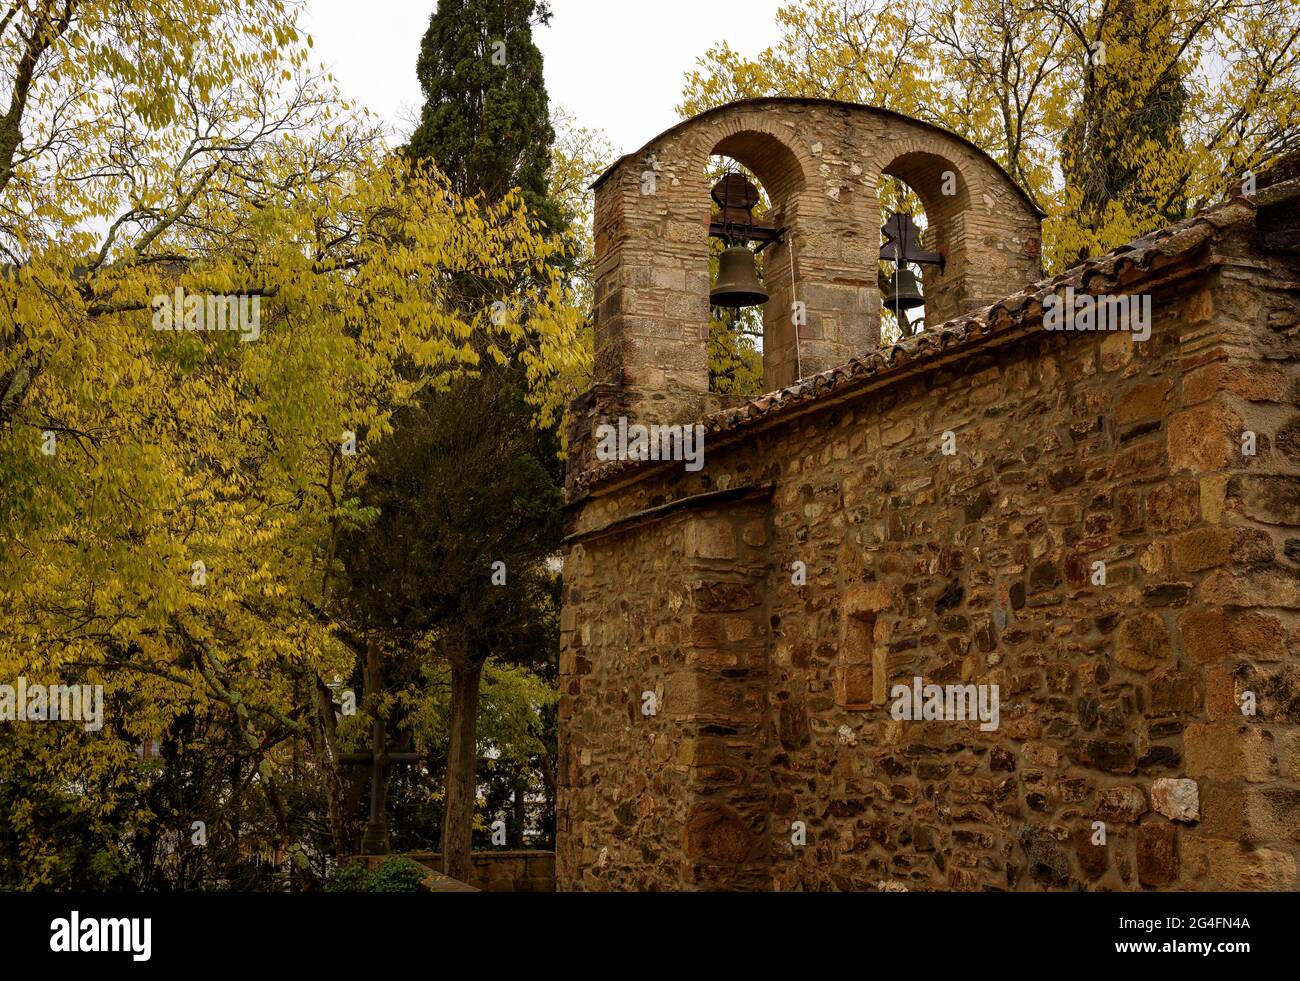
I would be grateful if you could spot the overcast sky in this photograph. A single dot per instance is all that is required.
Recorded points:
(616, 65)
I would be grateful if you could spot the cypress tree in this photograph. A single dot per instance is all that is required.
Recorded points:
(486, 124)
(486, 119)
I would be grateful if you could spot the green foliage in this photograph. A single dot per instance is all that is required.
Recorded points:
(62, 846)
(394, 874)
(465, 481)
(397, 875)
(1127, 128)
(176, 448)
(517, 742)
(511, 702)
(469, 487)
(735, 362)
(485, 119)
(353, 877)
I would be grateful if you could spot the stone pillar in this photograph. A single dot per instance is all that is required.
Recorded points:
(718, 699)
(663, 769)
(1242, 632)
(652, 290)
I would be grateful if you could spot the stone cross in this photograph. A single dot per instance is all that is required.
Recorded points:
(376, 841)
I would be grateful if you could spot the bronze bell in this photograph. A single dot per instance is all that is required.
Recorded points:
(738, 283)
(904, 292)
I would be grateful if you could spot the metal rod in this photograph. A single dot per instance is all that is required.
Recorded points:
(798, 355)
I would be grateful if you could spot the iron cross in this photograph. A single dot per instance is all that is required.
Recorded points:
(903, 242)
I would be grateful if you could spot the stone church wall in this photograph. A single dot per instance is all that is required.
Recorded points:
(1120, 704)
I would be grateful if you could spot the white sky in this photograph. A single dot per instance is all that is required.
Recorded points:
(616, 65)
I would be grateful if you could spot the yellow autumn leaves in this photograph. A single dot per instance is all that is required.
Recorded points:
(185, 143)
(1116, 115)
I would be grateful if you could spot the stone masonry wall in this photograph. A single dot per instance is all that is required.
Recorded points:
(678, 699)
(1120, 703)
(1241, 377)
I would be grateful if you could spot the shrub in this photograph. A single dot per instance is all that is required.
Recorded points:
(393, 875)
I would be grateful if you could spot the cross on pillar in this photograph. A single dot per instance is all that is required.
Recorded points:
(376, 841)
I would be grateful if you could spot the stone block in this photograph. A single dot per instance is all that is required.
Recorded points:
(715, 833)
(1176, 799)
(1143, 642)
(711, 539)
(1204, 437)
(1173, 506)
(1093, 859)
(1121, 804)
(1225, 751)
(1143, 401)
(1222, 864)
(1205, 548)
(1158, 861)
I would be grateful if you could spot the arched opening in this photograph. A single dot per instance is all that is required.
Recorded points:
(930, 191)
(903, 234)
(742, 340)
(735, 332)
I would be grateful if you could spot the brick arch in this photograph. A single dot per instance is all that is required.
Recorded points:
(924, 171)
(775, 163)
(903, 133)
(820, 162)
(783, 167)
(927, 173)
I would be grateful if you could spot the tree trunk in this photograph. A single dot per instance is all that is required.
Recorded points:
(325, 746)
(462, 762)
